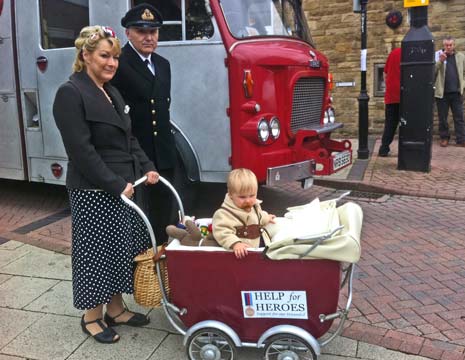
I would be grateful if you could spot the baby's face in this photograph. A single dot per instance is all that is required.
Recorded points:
(244, 201)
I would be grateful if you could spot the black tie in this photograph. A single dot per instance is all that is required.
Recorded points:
(149, 66)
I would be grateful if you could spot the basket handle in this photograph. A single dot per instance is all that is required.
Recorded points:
(160, 252)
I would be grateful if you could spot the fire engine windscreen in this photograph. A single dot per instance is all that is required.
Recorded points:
(266, 18)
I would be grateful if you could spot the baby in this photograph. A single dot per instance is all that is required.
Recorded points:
(238, 223)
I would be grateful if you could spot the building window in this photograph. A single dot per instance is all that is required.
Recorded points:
(379, 86)
(61, 21)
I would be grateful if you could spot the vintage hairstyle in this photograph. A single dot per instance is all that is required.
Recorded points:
(89, 38)
(241, 181)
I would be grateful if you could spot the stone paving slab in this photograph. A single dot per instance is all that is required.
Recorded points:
(135, 343)
(51, 337)
(18, 292)
(14, 322)
(41, 264)
(52, 302)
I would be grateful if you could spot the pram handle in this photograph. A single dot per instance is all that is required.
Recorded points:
(143, 179)
(141, 213)
(133, 205)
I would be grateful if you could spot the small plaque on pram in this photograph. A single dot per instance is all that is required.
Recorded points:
(274, 304)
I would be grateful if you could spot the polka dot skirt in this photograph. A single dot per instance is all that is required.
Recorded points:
(106, 236)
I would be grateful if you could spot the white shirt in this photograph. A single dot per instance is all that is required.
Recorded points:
(150, 65)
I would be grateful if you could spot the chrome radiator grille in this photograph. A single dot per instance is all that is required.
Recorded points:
(307, 102)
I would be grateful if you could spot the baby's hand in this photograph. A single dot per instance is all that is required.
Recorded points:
(271, 218)
(240, 249)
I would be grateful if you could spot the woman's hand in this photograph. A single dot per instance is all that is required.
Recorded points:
(152, 177)
(271, 218)
(128, 190)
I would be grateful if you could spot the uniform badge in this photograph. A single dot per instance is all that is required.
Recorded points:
(126, 109)
(147, 15)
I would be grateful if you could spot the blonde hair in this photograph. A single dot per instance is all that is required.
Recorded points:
(241, 181)
(88, 39)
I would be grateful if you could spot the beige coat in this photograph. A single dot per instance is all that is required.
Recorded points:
(224, 223)
(440, 73)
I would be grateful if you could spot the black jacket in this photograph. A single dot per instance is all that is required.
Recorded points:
(102, 152)
(149, 99)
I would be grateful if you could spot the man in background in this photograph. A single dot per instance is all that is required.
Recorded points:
(449, 86)
(391, 100)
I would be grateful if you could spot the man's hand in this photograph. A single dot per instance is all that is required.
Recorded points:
(240, 250)
(442, 56)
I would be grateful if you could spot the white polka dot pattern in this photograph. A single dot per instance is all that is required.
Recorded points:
(106, 236)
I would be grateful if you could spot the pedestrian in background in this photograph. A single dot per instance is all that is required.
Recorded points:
(104, 161)
(449, 86)
(144, 80)
(391, 100)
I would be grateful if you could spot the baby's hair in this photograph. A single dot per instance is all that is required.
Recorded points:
(241, 181)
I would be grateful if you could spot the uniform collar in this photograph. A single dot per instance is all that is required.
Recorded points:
(142, 57)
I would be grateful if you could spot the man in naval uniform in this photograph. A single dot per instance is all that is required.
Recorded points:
(144, 80)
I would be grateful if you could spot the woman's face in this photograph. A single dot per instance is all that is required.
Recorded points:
(101, 64)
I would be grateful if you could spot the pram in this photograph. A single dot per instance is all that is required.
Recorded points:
(219, 303)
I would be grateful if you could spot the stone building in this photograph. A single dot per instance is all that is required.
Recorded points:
(336, 32)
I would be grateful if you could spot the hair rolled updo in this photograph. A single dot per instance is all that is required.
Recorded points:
(88, 40)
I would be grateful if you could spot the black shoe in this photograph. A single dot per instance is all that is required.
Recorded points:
(383, 150)
(107, 336)
(136, 320)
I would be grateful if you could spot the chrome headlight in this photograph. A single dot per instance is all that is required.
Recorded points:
(326, 118)
(331, 115)
(275, 127)
(263, 130)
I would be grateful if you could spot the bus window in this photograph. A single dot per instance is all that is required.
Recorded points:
(249, 18)
(198, 25)
(61, 21)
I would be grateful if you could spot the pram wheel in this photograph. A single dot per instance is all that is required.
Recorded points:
(288, 347)
(210, 344)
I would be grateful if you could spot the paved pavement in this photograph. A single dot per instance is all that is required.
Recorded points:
(409, 295)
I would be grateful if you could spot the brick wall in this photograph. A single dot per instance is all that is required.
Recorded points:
(336, 32)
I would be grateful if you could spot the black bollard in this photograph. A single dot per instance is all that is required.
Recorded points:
(417, 94)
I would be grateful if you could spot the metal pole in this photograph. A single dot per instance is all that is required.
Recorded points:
(363, 98)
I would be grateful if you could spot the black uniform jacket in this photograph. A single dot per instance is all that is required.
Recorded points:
(149, 99)
(102, 152)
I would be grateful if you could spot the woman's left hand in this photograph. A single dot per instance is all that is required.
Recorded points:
(152, 177)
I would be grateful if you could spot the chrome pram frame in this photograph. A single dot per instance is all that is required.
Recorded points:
(173, 312)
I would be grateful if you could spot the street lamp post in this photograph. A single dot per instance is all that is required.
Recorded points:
(363, 98)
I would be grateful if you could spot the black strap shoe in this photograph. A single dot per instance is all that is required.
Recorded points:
(136, 320)
(106, 336)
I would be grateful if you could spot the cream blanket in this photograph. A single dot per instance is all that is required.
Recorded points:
(338, 228)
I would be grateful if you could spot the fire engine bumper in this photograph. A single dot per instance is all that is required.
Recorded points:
(303, 170)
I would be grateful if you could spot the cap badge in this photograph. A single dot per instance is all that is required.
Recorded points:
(147, 15)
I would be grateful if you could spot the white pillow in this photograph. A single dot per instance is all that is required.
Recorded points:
(308, 220)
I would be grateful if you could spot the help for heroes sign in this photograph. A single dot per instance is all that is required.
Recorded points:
(275, 304)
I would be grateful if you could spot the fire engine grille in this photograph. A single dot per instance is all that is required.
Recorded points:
(307, 103)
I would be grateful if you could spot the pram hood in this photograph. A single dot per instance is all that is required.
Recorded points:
(294, 235)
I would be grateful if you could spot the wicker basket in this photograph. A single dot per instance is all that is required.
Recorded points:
(147, 290)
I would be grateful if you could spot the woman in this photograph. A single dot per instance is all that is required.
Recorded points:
(104, 159)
